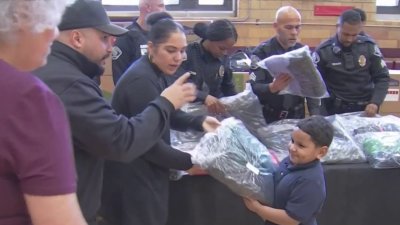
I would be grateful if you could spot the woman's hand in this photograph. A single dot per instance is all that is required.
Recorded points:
(180, 92)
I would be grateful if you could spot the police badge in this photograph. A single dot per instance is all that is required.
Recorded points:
(362, 60)
(315, 57)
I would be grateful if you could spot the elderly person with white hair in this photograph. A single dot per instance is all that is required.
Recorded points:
(37, 175)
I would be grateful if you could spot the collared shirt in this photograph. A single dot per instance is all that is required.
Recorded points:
(300, 190)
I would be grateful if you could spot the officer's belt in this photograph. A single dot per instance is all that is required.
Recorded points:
(281, 113)
(339, 102)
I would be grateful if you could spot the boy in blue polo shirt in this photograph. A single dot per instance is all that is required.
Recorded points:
(299, 181)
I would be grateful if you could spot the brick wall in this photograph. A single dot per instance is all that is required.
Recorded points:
(254, 24)
(256, 16)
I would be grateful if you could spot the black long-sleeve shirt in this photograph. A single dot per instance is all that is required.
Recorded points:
(145, 181)
(98, 132)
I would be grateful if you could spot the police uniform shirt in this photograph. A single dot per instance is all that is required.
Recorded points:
(128, 48)
(213, 75)
(261, 78)
(353, 74)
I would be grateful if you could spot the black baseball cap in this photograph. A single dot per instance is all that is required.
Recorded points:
(89, 14)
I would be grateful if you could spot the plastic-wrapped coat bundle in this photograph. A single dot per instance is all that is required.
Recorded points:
(187, 141)
(298, 63)
(381, 148)
(237, 159)
(277, 135)
(246, 107)
(356, 123)
(344, 149)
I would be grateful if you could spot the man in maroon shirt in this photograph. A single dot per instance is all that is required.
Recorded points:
(37, 175)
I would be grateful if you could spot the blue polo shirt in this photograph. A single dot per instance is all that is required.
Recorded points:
(300, 190)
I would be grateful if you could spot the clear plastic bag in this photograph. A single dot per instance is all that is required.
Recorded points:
(344, 149)
(245, 106)
(237, 159)
(187, 141)
(307, 80)
(355, 123)
(381, 148)
(277, 136)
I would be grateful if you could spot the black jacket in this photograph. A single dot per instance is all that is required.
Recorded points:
(354, 74)
(127, 49)
(261, 78)
(142, 185)
(98, 133)
(213, 75)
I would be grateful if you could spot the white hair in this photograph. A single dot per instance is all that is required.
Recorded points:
(36, 14)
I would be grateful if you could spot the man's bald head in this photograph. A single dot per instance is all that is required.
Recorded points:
(150, 3)
(147, 7)
(287, 13)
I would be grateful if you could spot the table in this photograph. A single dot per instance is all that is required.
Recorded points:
(356, 195)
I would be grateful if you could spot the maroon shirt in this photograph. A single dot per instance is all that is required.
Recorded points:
(36, 155)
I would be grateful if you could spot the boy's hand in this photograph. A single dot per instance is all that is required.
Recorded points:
(196, 170)
(251, 204)
(210, 124)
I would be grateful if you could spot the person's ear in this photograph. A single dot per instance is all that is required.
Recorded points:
(322, 151)
(150, 50)
(76, 39)
(275, 25)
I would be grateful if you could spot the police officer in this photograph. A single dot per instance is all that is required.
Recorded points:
(276, 107)
(208, 60)
(353, 69)
(133, 45)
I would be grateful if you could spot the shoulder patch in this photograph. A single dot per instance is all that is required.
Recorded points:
(377, 51)
(383, 63)
(254, 62)
(252, 76)
(315, 57)
(116, 53)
